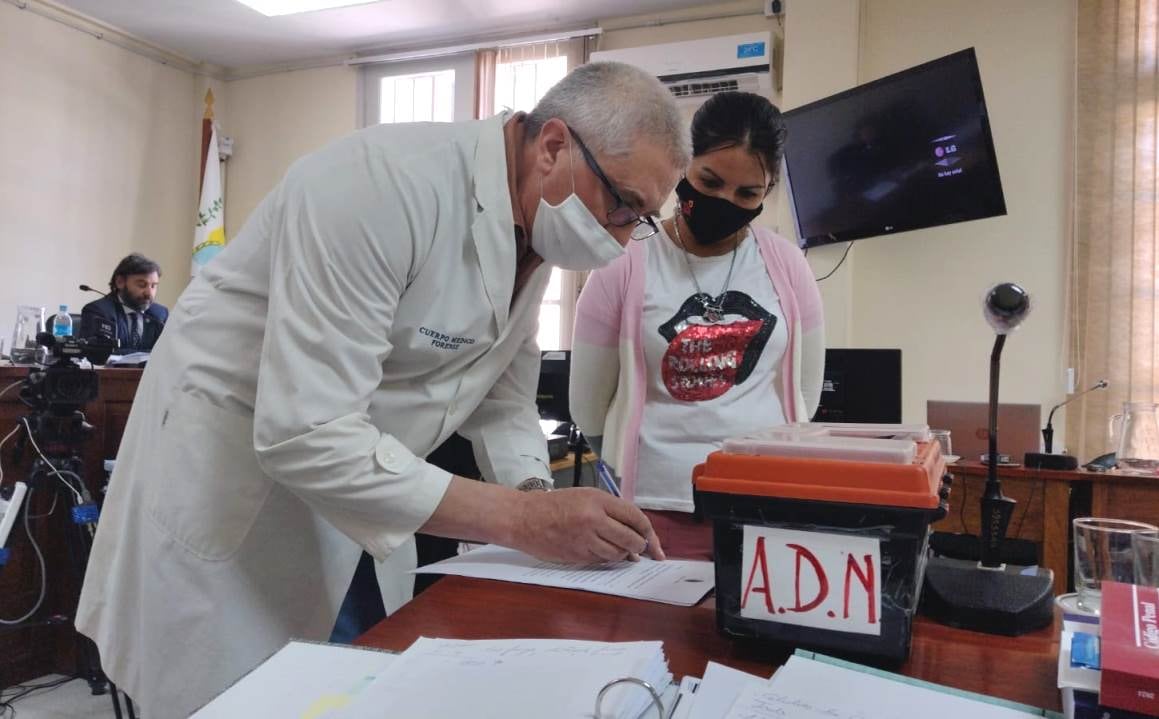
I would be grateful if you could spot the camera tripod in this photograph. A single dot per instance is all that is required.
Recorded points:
(57, 470)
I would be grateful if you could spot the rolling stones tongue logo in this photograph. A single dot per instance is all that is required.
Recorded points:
(703, 361)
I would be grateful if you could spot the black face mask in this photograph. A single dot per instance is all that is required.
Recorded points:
(711, 218)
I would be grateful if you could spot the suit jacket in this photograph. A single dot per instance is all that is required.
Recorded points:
(109, 309)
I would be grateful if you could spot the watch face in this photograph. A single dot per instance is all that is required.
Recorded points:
(535, 483)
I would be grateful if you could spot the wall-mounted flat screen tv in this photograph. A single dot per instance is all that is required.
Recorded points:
(908, 151)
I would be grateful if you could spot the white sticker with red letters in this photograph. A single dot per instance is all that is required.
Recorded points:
(811, 579)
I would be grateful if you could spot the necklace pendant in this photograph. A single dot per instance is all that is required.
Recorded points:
(713, 312)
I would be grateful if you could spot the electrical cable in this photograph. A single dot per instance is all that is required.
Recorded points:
(839, 263)
(79, 497)
(39, 558)
(19, 691)
(42, 515)
(14, 384)
(1026, 507)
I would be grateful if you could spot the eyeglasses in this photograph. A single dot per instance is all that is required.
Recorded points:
(622, 214)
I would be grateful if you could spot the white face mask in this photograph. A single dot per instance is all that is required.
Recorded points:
(568, 236)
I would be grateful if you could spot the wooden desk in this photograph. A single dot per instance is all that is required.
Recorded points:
(1125, 497)
(32, 652)
(1042, 515)
(1022, 669)
(1045, 508)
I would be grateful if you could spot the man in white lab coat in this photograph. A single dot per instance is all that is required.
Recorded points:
(384, 295)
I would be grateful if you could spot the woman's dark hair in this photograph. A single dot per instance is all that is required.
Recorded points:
(134, 264)
(731, 119)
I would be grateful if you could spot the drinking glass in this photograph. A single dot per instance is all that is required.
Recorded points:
(942, 436)
(29, 322)
(1146, 548)
(1103, 552)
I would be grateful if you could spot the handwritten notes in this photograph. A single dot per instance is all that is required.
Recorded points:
(673, 581)
(804, 689)
(812, 579)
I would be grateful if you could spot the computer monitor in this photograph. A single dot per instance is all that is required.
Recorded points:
(551, 396)
(861, 385)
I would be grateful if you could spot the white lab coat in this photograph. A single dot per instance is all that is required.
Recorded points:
(362, 315)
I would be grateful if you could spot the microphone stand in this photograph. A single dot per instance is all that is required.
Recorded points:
(1048, 430)
(116, 329)
(986, 596)
(1046, 459)
(996, 509)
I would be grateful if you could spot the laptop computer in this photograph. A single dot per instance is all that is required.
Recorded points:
(1019, 427)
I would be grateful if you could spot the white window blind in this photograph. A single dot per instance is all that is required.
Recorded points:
(418, 97)
(524, 74)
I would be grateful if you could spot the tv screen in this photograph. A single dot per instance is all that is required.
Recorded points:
(910, 150)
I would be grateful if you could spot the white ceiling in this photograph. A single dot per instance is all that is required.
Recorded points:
(227, 33)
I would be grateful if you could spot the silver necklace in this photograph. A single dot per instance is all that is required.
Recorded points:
(713, 307)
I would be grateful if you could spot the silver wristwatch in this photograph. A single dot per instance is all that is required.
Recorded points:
(534, 484)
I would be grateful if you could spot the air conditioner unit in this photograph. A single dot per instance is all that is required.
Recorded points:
(695, 69)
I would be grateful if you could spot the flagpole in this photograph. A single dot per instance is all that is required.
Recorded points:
(206, 135)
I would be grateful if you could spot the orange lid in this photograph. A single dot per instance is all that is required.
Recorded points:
(827, 480)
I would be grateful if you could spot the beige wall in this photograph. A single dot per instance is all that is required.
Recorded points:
(922, 291)
(99, 159)
(821, 49)
(274, 120)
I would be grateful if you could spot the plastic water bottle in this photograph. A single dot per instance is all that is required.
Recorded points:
(62, 323)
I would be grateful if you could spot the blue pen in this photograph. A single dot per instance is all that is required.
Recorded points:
(606, 479)
(609, 483)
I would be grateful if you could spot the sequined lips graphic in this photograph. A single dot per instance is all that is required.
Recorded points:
(703, 361)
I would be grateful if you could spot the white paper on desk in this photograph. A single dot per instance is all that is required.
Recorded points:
(807, 689)
(684, 699)
(719, 690)
(302, 679)
(673, 581)
(132, 359)
(506, 678)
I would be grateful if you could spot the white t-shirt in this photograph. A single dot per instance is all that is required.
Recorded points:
(705, 381)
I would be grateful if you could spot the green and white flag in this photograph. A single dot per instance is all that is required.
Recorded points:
(209, 231)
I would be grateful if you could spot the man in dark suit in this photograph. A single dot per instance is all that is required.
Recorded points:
(129, 307)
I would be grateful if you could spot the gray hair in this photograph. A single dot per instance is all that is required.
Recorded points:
(612, 106)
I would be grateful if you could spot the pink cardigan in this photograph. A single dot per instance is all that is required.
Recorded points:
(608, 383)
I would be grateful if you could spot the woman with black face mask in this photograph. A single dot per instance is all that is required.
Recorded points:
(710, 329)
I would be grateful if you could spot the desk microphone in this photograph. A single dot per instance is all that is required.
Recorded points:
(985, 596)
(1048, 431)
(116, 332)
(1047, 460)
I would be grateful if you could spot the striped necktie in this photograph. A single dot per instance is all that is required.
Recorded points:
(134, 330)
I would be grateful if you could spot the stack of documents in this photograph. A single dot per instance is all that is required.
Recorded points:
(673, 581)
(804, 689)
(500, 679)
(302, 679)
(452, 679)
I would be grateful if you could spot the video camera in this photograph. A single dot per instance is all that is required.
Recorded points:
(63, 387)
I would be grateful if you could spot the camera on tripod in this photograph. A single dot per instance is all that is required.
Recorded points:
(57, 392)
